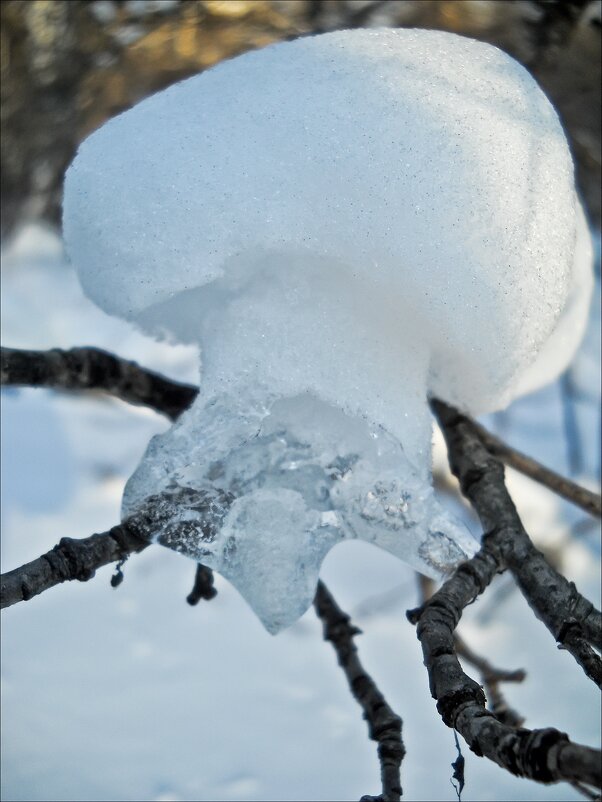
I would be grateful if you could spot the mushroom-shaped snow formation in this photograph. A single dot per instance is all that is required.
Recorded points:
(345, 224)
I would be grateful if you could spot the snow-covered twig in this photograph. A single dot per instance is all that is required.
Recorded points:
(94, 369)
(384, 725)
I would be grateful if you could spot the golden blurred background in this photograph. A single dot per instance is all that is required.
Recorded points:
(68, 65)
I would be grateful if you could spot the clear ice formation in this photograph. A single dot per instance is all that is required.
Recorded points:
(345, 224)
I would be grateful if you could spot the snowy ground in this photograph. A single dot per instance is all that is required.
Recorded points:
(130, 694)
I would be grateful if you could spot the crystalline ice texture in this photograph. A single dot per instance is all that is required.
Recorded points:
(261, 496)
(345, 224)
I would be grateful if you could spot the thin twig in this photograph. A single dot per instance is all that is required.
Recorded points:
(581, 789)
(491, 677)
(574, 451)
(580, 496)
(458, 779)
(384, 726)
(69, 559)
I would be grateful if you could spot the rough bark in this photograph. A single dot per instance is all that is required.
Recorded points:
(491, 677)
(94, 369)
(544, 755)
(384, 726)
(69, 559)
(572, 619)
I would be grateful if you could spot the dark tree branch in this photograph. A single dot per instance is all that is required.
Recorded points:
(94, 369)
(588, 501)
(572, 619)
(544, 755)
(384, 726)
(581, 789)
(70, 559)
(574, 450)
(491, 677)
(79, 559)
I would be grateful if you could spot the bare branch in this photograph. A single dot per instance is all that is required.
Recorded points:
(94, 369)
(572, 619)
(588, 501)
(574, 450)
(545, 755)
(70, 559)
(491, 677)
(384, 725)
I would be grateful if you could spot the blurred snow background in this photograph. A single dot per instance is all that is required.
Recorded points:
(131, 694)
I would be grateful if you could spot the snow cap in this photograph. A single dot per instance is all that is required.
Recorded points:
(423, 176)
(345, 224)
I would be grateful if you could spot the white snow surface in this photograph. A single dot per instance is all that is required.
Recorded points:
(558, 350)
(344, 224)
